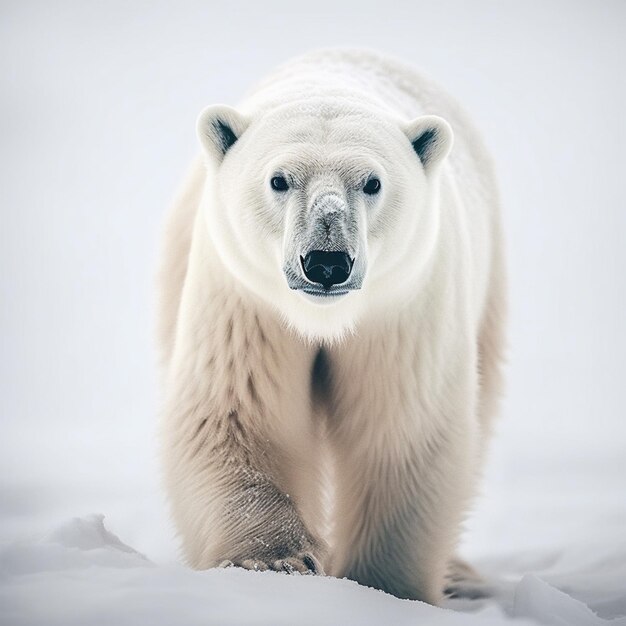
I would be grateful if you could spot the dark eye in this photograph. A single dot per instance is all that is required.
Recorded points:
(372, 187)
(279, 183)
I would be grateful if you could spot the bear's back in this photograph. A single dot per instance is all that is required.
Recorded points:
(363, 75)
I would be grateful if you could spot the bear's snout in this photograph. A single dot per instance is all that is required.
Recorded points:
(327, 268)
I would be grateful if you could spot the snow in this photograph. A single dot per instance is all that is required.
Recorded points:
(81, 573)
(108, 582)
(562, 566)
(97, 123)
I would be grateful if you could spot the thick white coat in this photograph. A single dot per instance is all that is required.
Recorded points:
(382, 398)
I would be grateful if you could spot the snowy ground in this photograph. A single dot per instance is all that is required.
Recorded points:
(548, 535)
(97, 114)
(552, 558)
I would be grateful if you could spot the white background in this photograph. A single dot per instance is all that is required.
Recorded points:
(98, 108)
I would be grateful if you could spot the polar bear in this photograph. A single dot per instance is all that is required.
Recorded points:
(331, 325)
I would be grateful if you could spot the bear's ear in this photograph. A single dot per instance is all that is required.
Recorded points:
(219, 126)
(431, 138)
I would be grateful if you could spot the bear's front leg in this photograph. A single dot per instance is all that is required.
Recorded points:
(399, 509)
(235, 497)
(239, 443)
(405, 453)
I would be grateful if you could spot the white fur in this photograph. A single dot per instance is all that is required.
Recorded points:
(399, 405)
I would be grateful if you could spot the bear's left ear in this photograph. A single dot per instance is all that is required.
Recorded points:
(219, 127)
(431, 138)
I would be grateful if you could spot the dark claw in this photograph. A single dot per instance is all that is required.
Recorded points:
(310, 563)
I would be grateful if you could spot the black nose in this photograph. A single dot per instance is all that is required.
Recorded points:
(327, 268)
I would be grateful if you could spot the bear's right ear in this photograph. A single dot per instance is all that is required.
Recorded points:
(219, 126)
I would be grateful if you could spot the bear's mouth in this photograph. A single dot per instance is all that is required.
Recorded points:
(323, 293)
(321, 296)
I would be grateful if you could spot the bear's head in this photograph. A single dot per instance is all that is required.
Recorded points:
(326, 212)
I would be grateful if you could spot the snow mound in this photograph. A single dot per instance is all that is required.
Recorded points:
(77, 544)
(88, 533)
(534, 598)
(82, 574)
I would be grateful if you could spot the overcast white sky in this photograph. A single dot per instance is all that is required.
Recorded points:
(98, 108)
